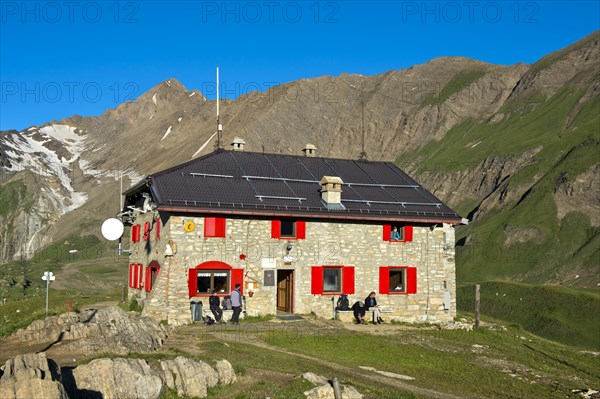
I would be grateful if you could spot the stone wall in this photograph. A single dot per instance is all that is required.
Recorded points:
(327, 243)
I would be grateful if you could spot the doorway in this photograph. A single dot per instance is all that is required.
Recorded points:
(285, 290)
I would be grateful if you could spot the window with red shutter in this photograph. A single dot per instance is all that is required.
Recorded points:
(288, 229)
(331, 280)
(135, 233)
(401, 234)
(397, 280)
(214, 227)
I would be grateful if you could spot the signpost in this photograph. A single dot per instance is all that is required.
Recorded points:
(48, 276)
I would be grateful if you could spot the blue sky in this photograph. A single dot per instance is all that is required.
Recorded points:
(60, 58)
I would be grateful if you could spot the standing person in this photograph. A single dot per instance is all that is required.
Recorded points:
(213, 301)
(372, 306)
(236, 304)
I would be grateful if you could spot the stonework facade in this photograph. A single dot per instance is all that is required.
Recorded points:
(248, 245)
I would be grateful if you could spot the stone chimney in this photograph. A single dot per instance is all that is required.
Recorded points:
(238, 144)
(310, 150)
(331, 192)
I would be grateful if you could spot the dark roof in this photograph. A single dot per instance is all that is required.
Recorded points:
(233, 182)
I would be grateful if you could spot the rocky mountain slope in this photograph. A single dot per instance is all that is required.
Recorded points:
(515, 148)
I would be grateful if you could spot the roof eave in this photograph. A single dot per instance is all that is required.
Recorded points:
(324, 215)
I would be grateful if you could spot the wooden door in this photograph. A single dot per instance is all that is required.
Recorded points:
(285, 290)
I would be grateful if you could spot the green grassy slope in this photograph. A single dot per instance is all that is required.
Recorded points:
(567, 315)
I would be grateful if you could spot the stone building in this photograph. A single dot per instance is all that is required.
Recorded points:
(295, 232)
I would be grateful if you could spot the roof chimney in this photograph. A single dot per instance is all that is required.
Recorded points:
(331, 192)
(310, 150)
(238, 144)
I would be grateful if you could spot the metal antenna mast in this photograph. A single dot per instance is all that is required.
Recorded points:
(363, 153)
(219, 126)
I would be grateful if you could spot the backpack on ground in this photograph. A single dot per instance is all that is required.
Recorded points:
(209, 320)
(343, 303)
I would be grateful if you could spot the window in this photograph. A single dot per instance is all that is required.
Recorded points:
(214, 227)
(332, 280)
(288, 229)
(397, 233)
(397, 280)
(209, 280)
(151, 275)
(213, 275)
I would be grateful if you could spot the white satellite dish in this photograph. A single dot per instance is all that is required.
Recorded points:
(112, 229)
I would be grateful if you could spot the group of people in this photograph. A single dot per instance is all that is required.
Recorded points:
(360, 308)
(234, 302)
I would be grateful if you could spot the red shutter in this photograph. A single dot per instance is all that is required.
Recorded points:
(384, 280)
(146, 230)
(148, 283)
(276, 229)
(192, 282)
(140, 276)
(131, 275)
(316, 280)
(214, 227)
(387, 230)
(220, 227)
(135, 233)
(301, 230)
(237, 277)
(348, 280)
(157, 229)
(408, 233)
(411, 280)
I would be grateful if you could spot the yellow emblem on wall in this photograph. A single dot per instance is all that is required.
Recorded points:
(189, 226)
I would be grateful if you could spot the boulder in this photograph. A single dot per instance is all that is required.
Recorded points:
(325, 391)
(189, 377)
(226, 372)
(314, 378)
(116, 379)
(31, 376)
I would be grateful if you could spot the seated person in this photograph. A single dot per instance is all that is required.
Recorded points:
(371, 306)
(395, 234)
(359, 312)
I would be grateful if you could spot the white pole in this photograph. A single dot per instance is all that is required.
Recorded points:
(217, 93)
(47, 284)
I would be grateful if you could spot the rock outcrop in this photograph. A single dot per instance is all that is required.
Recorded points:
(31, 376)
(116, 379)
(96, 330)
(189, 377)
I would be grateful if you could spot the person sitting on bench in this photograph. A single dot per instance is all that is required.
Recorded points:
(371, 306)
(359, 312)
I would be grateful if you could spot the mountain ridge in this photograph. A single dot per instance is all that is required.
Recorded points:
(480, 136)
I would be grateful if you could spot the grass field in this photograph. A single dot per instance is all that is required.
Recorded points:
(567, 315)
